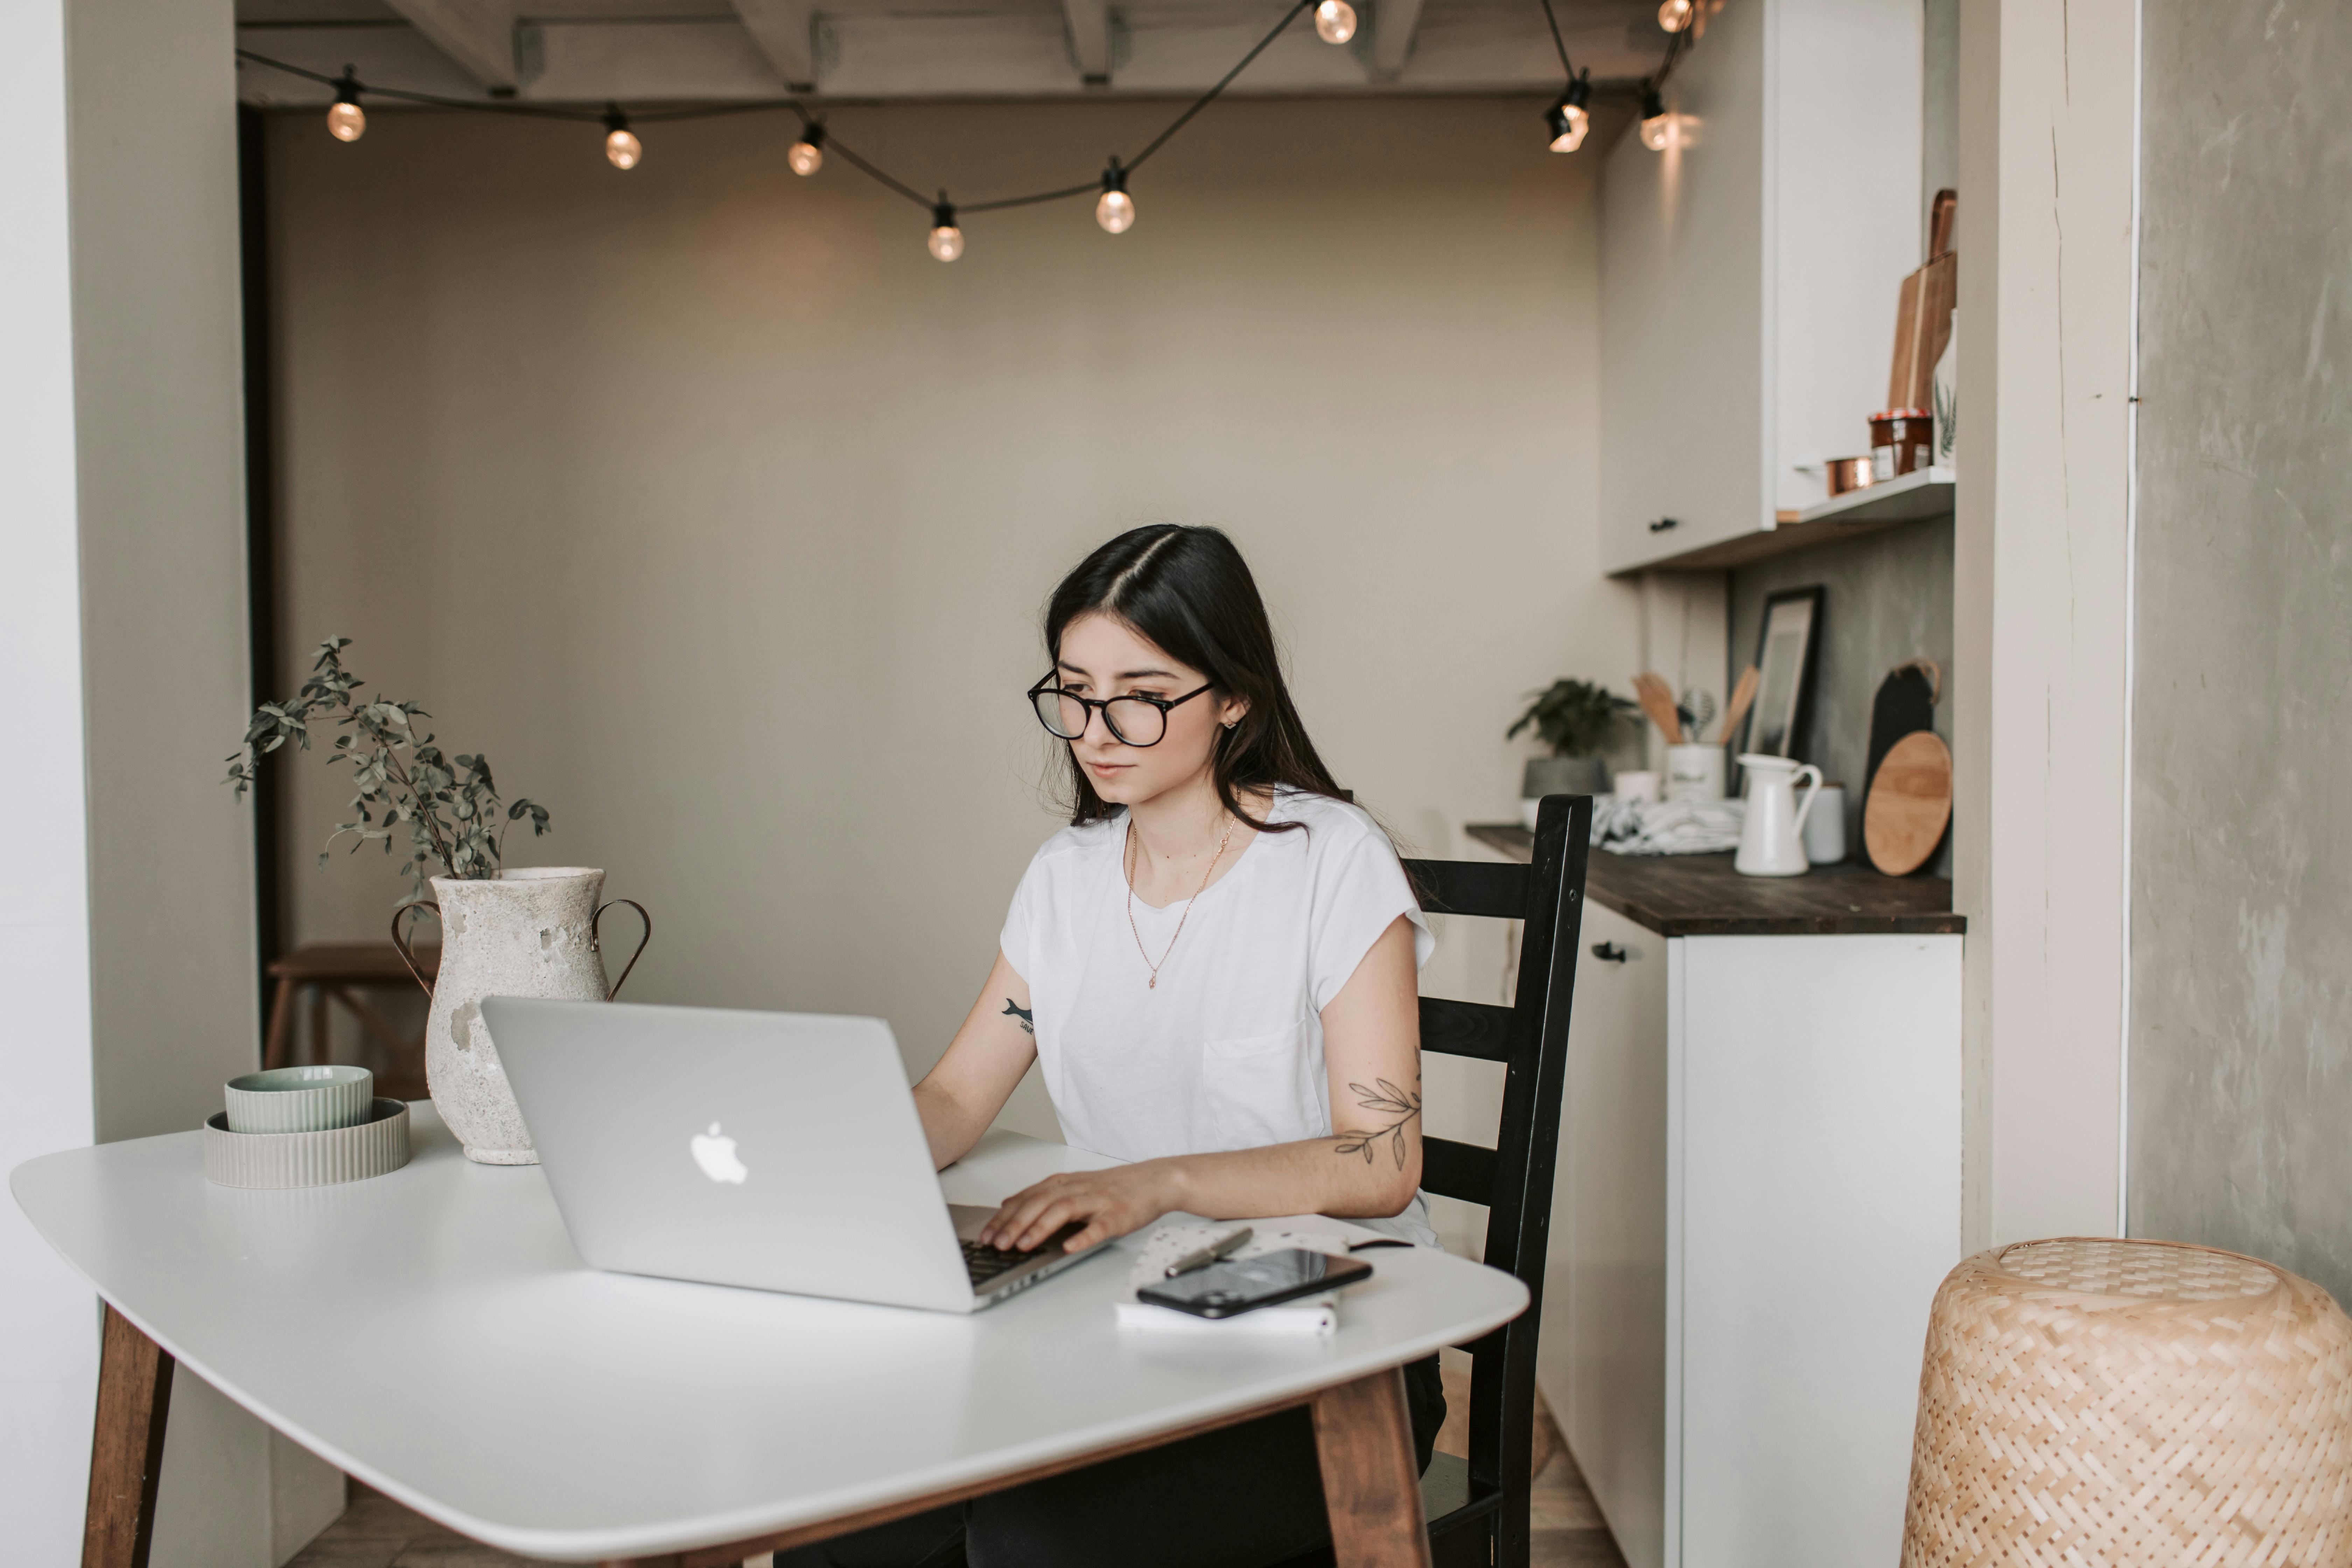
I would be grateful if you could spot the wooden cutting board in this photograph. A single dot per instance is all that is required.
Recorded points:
(1910, 804)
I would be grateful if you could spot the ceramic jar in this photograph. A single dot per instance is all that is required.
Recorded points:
(528, 932)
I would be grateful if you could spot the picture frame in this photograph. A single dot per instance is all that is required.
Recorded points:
(1787, 653)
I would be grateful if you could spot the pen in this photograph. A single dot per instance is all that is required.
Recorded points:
(1223, 1247)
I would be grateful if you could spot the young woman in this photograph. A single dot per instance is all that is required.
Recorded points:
(1214, 965)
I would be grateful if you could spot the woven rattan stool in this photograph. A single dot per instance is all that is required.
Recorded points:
(2131, 1405)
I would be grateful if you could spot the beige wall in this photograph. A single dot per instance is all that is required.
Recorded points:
(720, 515)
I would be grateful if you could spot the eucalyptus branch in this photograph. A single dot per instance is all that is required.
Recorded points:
(450, 805)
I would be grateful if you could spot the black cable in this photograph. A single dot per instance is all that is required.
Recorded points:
(1566, 69)
(1157, 142)
(536, 111)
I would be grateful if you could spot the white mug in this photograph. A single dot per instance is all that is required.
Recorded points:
(1825, 826)
(1695, 772)
(1637, 787)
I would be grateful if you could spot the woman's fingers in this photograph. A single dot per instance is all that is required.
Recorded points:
(1011, 1219)
(1049, 1220)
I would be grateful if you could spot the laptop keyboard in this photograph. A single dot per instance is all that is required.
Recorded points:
(985, 1263)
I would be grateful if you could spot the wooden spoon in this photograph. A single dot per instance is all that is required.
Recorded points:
(1741, 696)
(1657, 700)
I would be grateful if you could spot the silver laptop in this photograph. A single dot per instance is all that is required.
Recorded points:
(780, 1151)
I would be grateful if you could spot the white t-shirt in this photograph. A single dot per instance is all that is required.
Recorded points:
(1227, 1051)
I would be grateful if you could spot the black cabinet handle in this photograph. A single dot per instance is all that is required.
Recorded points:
(1608, 953)
(1664, 523)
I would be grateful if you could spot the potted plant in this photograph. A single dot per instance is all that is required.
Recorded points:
(505, 932)
(1573, 718)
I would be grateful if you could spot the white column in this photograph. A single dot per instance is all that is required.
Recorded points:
(48, 1320)
(2048, 95)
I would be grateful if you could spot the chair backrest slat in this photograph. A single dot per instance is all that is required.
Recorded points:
(1454, 1170)
(1491, 889)
(1513, 1180)
(1477, 1030)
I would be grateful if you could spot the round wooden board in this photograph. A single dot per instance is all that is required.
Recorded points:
(1910, 803)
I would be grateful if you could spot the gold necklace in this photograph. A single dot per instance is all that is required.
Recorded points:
(1133, 839)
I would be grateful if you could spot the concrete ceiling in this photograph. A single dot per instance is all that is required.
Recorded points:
(647, 51)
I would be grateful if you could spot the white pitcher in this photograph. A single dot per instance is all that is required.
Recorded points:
(1772, 837)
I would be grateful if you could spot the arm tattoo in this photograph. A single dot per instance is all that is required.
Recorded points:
(1023, 1015)
(1400, 1105)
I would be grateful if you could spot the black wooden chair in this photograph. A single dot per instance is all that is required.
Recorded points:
(1478, 1509)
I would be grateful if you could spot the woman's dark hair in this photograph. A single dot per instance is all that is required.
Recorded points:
(1190, 592)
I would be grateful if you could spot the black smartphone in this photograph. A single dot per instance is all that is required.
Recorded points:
(1223, 1289)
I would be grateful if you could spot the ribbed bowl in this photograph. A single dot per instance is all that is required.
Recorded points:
(300, 1100)
(373, 1148)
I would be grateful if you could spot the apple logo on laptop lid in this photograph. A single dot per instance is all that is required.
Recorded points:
(715, 1152)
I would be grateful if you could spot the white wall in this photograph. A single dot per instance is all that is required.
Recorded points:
(49, 1319)
(2041, 608)
(720, 515)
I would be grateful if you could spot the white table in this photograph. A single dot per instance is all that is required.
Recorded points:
(433, 1333)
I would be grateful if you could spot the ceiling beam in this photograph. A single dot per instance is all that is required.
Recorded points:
(1394, 22)
(1089, 22)
(479, 38)
(785, 31)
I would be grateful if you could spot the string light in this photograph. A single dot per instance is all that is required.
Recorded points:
(622, 148)
(947, 240)
(1674, 15)
(347, 121)
(1115, 211)
(1658, 127)
(1567, 118)
(807, 155)
(1335, 21)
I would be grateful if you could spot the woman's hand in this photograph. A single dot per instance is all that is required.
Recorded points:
(1111, 1202)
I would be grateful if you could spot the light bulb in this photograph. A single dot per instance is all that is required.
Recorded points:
(1116, 210)
(807, 155)
(947, 240)
(622, 148)
(1568, 119)
(1674, 15)
(1658, 126)
(347, 121)
(1335, 21)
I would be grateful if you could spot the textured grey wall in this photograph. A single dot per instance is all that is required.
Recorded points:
(2242, 882)
(1889, 599)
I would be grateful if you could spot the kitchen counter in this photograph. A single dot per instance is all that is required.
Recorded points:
(1701, 895)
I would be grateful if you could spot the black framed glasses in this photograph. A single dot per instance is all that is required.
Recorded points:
(1136, 720)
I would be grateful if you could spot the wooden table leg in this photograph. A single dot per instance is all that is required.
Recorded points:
(1363, 1432)
(126, 1451)
(281, 1010)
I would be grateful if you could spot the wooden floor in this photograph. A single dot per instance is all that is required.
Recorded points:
(377, 1533)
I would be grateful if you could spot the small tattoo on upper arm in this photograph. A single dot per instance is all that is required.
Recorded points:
(1386, 1099)
(1023, 1015)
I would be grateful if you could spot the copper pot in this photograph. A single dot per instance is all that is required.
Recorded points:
(1849, 474)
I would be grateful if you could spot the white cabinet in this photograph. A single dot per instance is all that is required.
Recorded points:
(1749, 271)
(1759, 1191)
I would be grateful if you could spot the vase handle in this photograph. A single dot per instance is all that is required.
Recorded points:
(595, 941)
(405, 955)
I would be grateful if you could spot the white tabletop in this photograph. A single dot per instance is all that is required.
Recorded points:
(433, 1333)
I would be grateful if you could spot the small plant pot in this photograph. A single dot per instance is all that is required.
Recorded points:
(1561, 775)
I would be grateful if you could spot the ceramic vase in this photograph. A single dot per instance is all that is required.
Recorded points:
(528, 932)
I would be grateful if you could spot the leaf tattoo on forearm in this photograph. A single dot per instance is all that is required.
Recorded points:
(1021, 1015)
(1387, 1099)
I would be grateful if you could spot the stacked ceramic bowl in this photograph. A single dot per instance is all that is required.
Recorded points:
(304, 1127)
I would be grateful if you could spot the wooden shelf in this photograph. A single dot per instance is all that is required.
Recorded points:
(1913, 497)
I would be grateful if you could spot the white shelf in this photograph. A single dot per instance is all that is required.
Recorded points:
(1907, 497)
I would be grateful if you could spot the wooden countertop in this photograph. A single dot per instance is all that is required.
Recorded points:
(1701, 895)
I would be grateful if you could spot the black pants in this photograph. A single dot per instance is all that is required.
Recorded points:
(1244, 1496)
